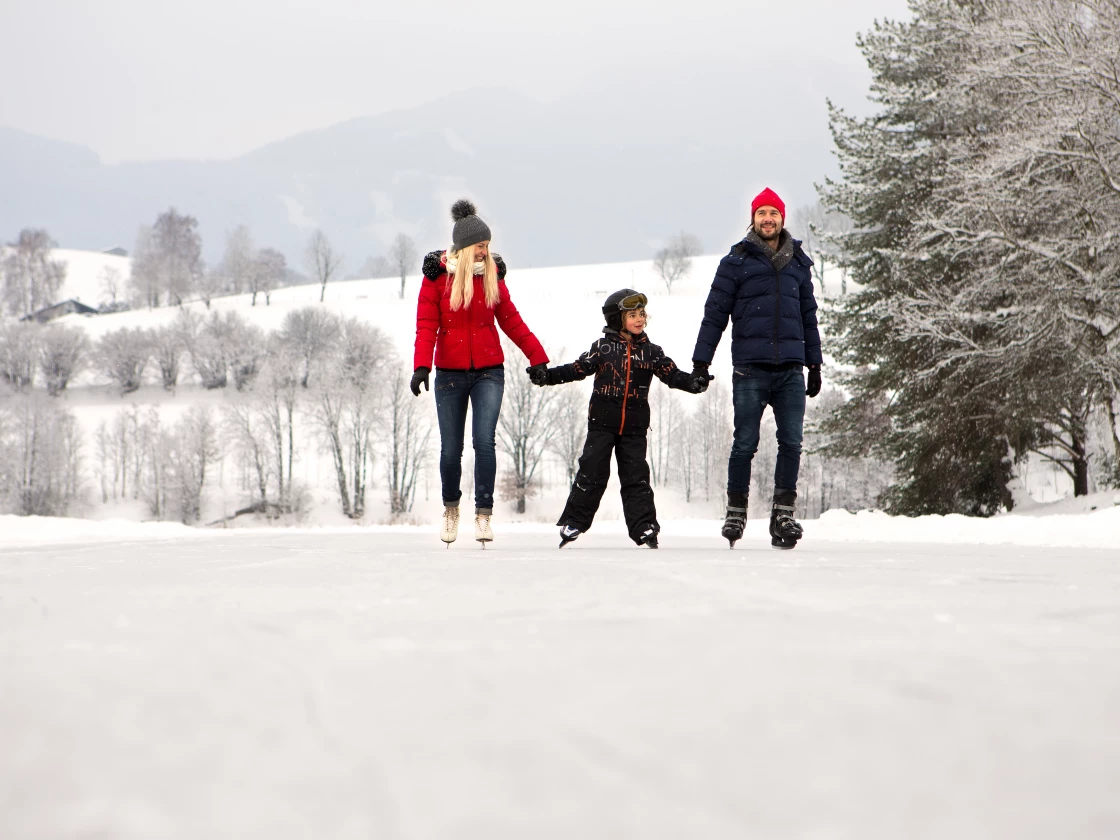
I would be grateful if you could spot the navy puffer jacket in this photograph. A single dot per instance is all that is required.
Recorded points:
(773, 314)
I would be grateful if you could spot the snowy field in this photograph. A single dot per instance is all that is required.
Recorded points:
(179, 683)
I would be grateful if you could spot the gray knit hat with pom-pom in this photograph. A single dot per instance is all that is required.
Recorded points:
(469, 229)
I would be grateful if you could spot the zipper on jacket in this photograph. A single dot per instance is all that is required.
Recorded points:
(470, 334)
(625, 389)
(777, 312)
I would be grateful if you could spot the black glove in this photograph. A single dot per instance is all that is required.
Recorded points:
(813, 385)
(700, 377)
(418, 376)
(538, 374)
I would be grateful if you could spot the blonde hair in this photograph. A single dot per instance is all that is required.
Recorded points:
(462, 284)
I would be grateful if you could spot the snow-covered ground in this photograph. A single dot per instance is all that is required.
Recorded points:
(179, 683)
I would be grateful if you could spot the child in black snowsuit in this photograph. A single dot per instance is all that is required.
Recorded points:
(624, 363)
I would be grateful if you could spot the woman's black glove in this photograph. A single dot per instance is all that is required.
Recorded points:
(700, 377)
(538, 374)
(813, 385)
(418, 376)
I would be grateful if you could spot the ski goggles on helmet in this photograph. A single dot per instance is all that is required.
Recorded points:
(634, 301)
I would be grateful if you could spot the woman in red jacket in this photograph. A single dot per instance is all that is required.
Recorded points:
(462, 295)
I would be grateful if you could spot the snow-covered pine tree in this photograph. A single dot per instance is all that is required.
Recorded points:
(974, 327)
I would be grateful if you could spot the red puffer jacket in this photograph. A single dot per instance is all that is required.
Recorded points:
(468, 338)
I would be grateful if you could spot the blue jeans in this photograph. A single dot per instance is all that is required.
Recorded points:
(753, 390)
(483, 389)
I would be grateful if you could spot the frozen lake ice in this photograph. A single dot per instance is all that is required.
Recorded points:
(296, 685)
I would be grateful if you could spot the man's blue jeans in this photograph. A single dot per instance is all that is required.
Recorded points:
(753, 390)
(483, 389)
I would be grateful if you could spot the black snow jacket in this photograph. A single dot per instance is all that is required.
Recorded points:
(623, 372)
(772, 310)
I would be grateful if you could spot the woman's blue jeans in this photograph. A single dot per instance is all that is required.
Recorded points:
(483, 390)
(754, 389)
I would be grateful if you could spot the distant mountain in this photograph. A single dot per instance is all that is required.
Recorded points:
(570, 182)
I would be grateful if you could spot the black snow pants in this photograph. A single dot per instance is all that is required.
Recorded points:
(591, 482)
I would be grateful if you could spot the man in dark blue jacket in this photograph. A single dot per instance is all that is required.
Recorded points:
(765, 287)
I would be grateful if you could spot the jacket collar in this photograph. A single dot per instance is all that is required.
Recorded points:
(788, 246)
(634, 339)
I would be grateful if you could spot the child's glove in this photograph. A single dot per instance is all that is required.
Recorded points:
(813, 385)
(700, 377)
(538, 374)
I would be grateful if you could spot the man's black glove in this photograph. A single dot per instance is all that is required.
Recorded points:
(418, 376)
(700, 377)
(538, 374)
(813, 384)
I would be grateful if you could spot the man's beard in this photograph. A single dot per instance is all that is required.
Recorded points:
(772, 237)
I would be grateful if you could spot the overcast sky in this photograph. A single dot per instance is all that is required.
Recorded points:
(147, 79)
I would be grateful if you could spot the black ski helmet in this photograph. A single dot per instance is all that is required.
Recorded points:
(613, 306)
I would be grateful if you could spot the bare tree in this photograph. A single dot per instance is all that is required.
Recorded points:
(178, 249)
(249, 435)
(269, 273)
(667, 418)
(239, 261)
(151, 455)
(31, 277)
(674, 261)
(822, 232)
(122, 355)
(713, 417)
(276, 395)
(19, 344)
(115, 452)
(209, 285)
(403, 254)
(62, 352)
(144, 280)
(323, 262)
(40, 456)
(194, 447)
(170, 342)
(248, 348)
(347, 408)
(569, 411)
(310, 334)
(110, 285)
(406, 443)
(227, 342)
(525, 427)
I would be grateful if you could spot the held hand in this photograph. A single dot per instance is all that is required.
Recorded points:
(418, 376)
(813, 383)
(700, 377)
(538, 374)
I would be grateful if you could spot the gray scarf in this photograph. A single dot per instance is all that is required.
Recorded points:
(782, 256)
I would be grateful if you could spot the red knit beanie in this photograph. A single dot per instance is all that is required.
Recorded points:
(768, 198)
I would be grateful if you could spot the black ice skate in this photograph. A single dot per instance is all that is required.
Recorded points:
(568, 534)
(736, 520)
(784, 529)
(649, 538)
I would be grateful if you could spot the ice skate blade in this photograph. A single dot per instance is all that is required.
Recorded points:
(731, 542)
(564, 542)
(783, 545)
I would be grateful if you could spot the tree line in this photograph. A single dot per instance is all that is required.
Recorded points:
(320, 380)
(168, 269)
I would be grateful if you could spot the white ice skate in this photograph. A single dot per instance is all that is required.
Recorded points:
(482, 531)
(450, 528)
